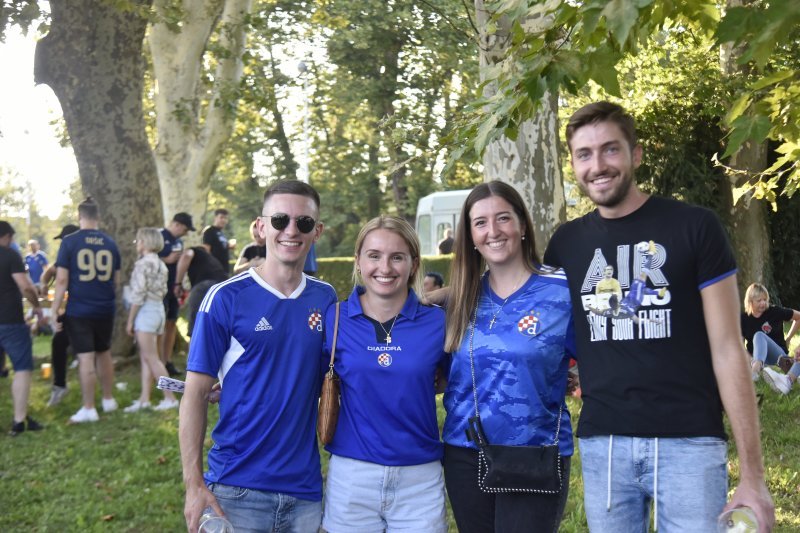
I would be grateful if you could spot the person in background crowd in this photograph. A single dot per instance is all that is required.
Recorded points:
(203, 271)
(180, 225)
(15, 338)
(654, 388)
(147, 316)
(446, 244)
(508, 318)
(36, 260)
(254, 253)
(385, 471)
(260, 334)
(59, 345)
(88, 266)
(762, 328)
(219, 244)
(432, 281)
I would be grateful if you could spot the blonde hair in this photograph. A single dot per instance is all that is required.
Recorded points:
(468, 264)
(402, 228)
(754, 291)
(151, 239)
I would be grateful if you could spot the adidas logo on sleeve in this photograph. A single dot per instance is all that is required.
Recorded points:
(263, 325)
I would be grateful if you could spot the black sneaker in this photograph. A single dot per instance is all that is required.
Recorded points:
(19, 427)
(172, 370)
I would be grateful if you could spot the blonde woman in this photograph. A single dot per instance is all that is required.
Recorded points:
(146, 317)
(385, 471)
(762, 329)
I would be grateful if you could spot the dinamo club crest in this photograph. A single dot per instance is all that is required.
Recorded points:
(529, 324)
(315, 320)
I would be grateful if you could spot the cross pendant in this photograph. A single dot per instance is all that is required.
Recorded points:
(491, 324)
(388, 339)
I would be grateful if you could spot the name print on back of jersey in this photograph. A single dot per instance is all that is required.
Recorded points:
(624, 307)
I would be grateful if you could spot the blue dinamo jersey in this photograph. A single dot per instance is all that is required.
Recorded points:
(521, 367)
(93, 259)
(265, 348)
(36, 264)
(388, 413)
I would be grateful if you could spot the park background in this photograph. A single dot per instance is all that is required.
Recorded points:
(190, 105)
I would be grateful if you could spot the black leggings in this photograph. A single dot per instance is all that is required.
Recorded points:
(58, 356)
(478, 512)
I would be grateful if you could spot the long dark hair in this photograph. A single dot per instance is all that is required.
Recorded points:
(468, 265)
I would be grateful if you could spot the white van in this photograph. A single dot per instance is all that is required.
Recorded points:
(435, 213)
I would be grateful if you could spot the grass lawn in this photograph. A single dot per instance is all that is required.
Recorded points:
(123, 473)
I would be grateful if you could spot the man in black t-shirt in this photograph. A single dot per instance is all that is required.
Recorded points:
(15, 338)
(218, 244)
(203, 271)
(653, 388)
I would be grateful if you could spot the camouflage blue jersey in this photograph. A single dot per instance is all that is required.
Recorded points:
(521, 366)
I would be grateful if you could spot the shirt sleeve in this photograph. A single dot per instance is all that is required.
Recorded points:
(713, 252)
(208, 236)
(138, 283)
(211, 336)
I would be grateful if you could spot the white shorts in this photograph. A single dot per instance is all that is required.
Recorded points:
(150, 318)
(362, 497)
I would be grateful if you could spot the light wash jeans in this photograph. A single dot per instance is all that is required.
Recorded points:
(685, 478)
(254, 511)
(363, 497)
(768, 352)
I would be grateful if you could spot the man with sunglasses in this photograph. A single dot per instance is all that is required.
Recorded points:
(261, 333)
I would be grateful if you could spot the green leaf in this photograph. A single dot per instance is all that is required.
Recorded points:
(771, 79)
(621, 16)
(747, 128)
(737, 108)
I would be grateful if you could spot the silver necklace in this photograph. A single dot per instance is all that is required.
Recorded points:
(388, 333)
(497, 311)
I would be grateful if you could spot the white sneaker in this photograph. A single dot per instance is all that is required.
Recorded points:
(778, 382)
(56, 395)
(110, 405)
(137, 406)
(84, 415)
(166, 404)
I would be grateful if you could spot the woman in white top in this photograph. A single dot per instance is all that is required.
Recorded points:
(146, 317)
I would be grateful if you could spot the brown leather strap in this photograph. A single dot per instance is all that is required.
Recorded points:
(335, 335)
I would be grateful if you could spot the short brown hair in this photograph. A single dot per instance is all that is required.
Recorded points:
(89, 209)
(602, 112)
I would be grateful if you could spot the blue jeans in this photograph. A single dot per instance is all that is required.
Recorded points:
(252, 510)
(687, 478)
(15, 339)
(768, 352)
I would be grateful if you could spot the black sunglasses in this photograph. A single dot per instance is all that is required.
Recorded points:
(280, 221)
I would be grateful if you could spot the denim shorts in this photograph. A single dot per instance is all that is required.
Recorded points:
(150, 318)
(686, 479)
(15, 339)
(252, 511)
(362, 497)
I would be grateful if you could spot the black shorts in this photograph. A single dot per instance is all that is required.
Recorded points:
(89, 334)
(171, 306)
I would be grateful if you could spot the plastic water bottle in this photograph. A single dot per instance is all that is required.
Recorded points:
(738, 520)
(211, 522)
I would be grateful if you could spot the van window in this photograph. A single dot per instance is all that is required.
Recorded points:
(424, 232)
(440, 227)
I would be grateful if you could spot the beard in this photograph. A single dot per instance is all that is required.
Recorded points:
(611, 197)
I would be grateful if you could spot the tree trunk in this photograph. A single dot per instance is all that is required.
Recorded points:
(92, 59)
(193, 124)
(748, 217)
(531, 164)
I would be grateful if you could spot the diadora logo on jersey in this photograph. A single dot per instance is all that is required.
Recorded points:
(766, 328)
(315, 320)
(529, 324)
(263, 325)
(384, 359)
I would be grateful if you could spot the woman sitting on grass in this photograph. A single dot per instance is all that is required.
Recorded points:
(762, 328)
(146, 318)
